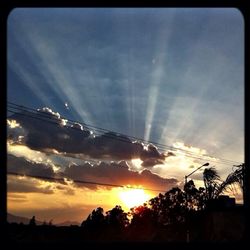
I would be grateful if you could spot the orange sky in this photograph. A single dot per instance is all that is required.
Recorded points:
(71, 202)
(52, 200)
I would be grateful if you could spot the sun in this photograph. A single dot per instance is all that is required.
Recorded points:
(133, 197)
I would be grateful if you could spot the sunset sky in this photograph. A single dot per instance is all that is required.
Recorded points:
(169, 76)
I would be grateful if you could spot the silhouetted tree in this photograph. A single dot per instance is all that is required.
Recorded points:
(143, 216)
(170, 207)
(117, 218)
(170, 211)
(236, 177)
(211, 181)
(95, 219)
(192, 195)
(144, 223)
(201, 198)
(32, 221)
(214, 187)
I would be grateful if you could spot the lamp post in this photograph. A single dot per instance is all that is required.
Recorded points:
(186, 176)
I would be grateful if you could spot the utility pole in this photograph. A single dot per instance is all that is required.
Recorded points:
(187, 223)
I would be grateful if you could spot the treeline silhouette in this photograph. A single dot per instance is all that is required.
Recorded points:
(177, 215)
(188, 215)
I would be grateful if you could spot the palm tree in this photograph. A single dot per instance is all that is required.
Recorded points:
(236, 177)
(212, 183)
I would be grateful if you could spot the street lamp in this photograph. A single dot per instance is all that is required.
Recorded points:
(186, 176)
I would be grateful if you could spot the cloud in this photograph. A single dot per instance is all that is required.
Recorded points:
(55, 116)
(170, 154)
(152, 162)
(28, 185)
(47, 131)
(15, 132)
(24, 166)
(151, 156)
(15, 197)
(117, 174)
(107, 173)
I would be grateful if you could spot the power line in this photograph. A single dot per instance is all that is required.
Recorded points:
(97, 129)
(41, 115)
(81, 181)
(114, 137)
(160, 146)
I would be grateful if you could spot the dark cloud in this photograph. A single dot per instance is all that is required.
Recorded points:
(170, 154)
(14, 185)
(46, 131)
(108, 173)
(23, 166)
(112, 146)
(151, 156)
(118, 174)
(151, 152)
(15, 132)
(151, 162)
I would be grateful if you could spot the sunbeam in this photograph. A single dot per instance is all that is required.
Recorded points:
(28, 80)
(158, 70)
(171, 76)
(159, 73)
(58, 76)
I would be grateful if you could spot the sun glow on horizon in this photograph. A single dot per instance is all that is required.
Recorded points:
(133, 197)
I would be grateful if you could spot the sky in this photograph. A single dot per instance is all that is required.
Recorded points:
(170, 76)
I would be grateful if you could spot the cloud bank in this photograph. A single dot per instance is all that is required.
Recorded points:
(118, 174)
(113, 173)
(46, 131)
